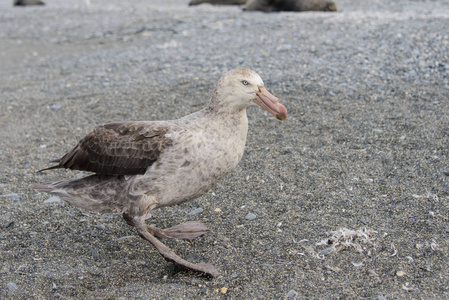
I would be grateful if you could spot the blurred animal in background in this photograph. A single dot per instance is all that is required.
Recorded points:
(28, 2)
(218, 2)
(290, 5)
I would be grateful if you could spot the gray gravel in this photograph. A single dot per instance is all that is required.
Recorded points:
(364, 148)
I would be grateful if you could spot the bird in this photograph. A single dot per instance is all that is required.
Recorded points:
(28, 2)
(290, 5)
(139, 166)
(217, 2)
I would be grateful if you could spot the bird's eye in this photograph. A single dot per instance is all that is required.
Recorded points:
(244, 82)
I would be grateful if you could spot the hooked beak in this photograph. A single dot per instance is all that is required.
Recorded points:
(270, 103)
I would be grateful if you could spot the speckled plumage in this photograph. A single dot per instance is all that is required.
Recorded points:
(142, 166)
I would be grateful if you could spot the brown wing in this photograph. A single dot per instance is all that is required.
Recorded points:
(117, 148)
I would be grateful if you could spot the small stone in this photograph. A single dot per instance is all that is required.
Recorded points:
(55, 107)
(291, 294)
(250, 216)
(357, 264)
(224, 290)
(12, 286)
(53, 199)
(193, 257)
(327, 251)
(195, 211)
(128, 237)
(400, 273)
(100, 227)
(63, 267)
(8, 224)
(13, 196)
(217, 210)
(446, 173)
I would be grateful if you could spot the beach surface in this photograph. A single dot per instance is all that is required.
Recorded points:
(346, 199)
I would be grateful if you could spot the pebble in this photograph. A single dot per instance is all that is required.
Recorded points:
(327, 251)
(63, 267)
(250, 216)
(12, 286)
(400, 273)
(195, 211)
(128, 237)
(53, 199)
(357, 264)
(291, 294)
(55, 107)
(100, 227)
(8, 224)
(13, 196)
(193, 257)
(105, 216)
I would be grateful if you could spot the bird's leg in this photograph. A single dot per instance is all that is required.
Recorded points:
(185, 231)
(167, 253)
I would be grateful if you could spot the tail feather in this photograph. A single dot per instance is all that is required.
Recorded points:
(58, 166)
(95, 192)
(42, 187)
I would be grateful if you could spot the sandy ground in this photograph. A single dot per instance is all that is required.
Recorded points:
(349, 193)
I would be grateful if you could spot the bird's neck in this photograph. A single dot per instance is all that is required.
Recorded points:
(226, 105)
(232, 114)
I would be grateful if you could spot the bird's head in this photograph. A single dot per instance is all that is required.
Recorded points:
(242, 87)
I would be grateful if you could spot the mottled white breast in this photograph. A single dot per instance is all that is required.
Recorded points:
(205, 150)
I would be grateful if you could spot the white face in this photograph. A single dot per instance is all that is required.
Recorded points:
(242, 87)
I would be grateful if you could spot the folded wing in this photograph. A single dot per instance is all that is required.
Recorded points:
(117, 149)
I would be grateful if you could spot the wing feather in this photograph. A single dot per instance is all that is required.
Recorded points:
(117, 149)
